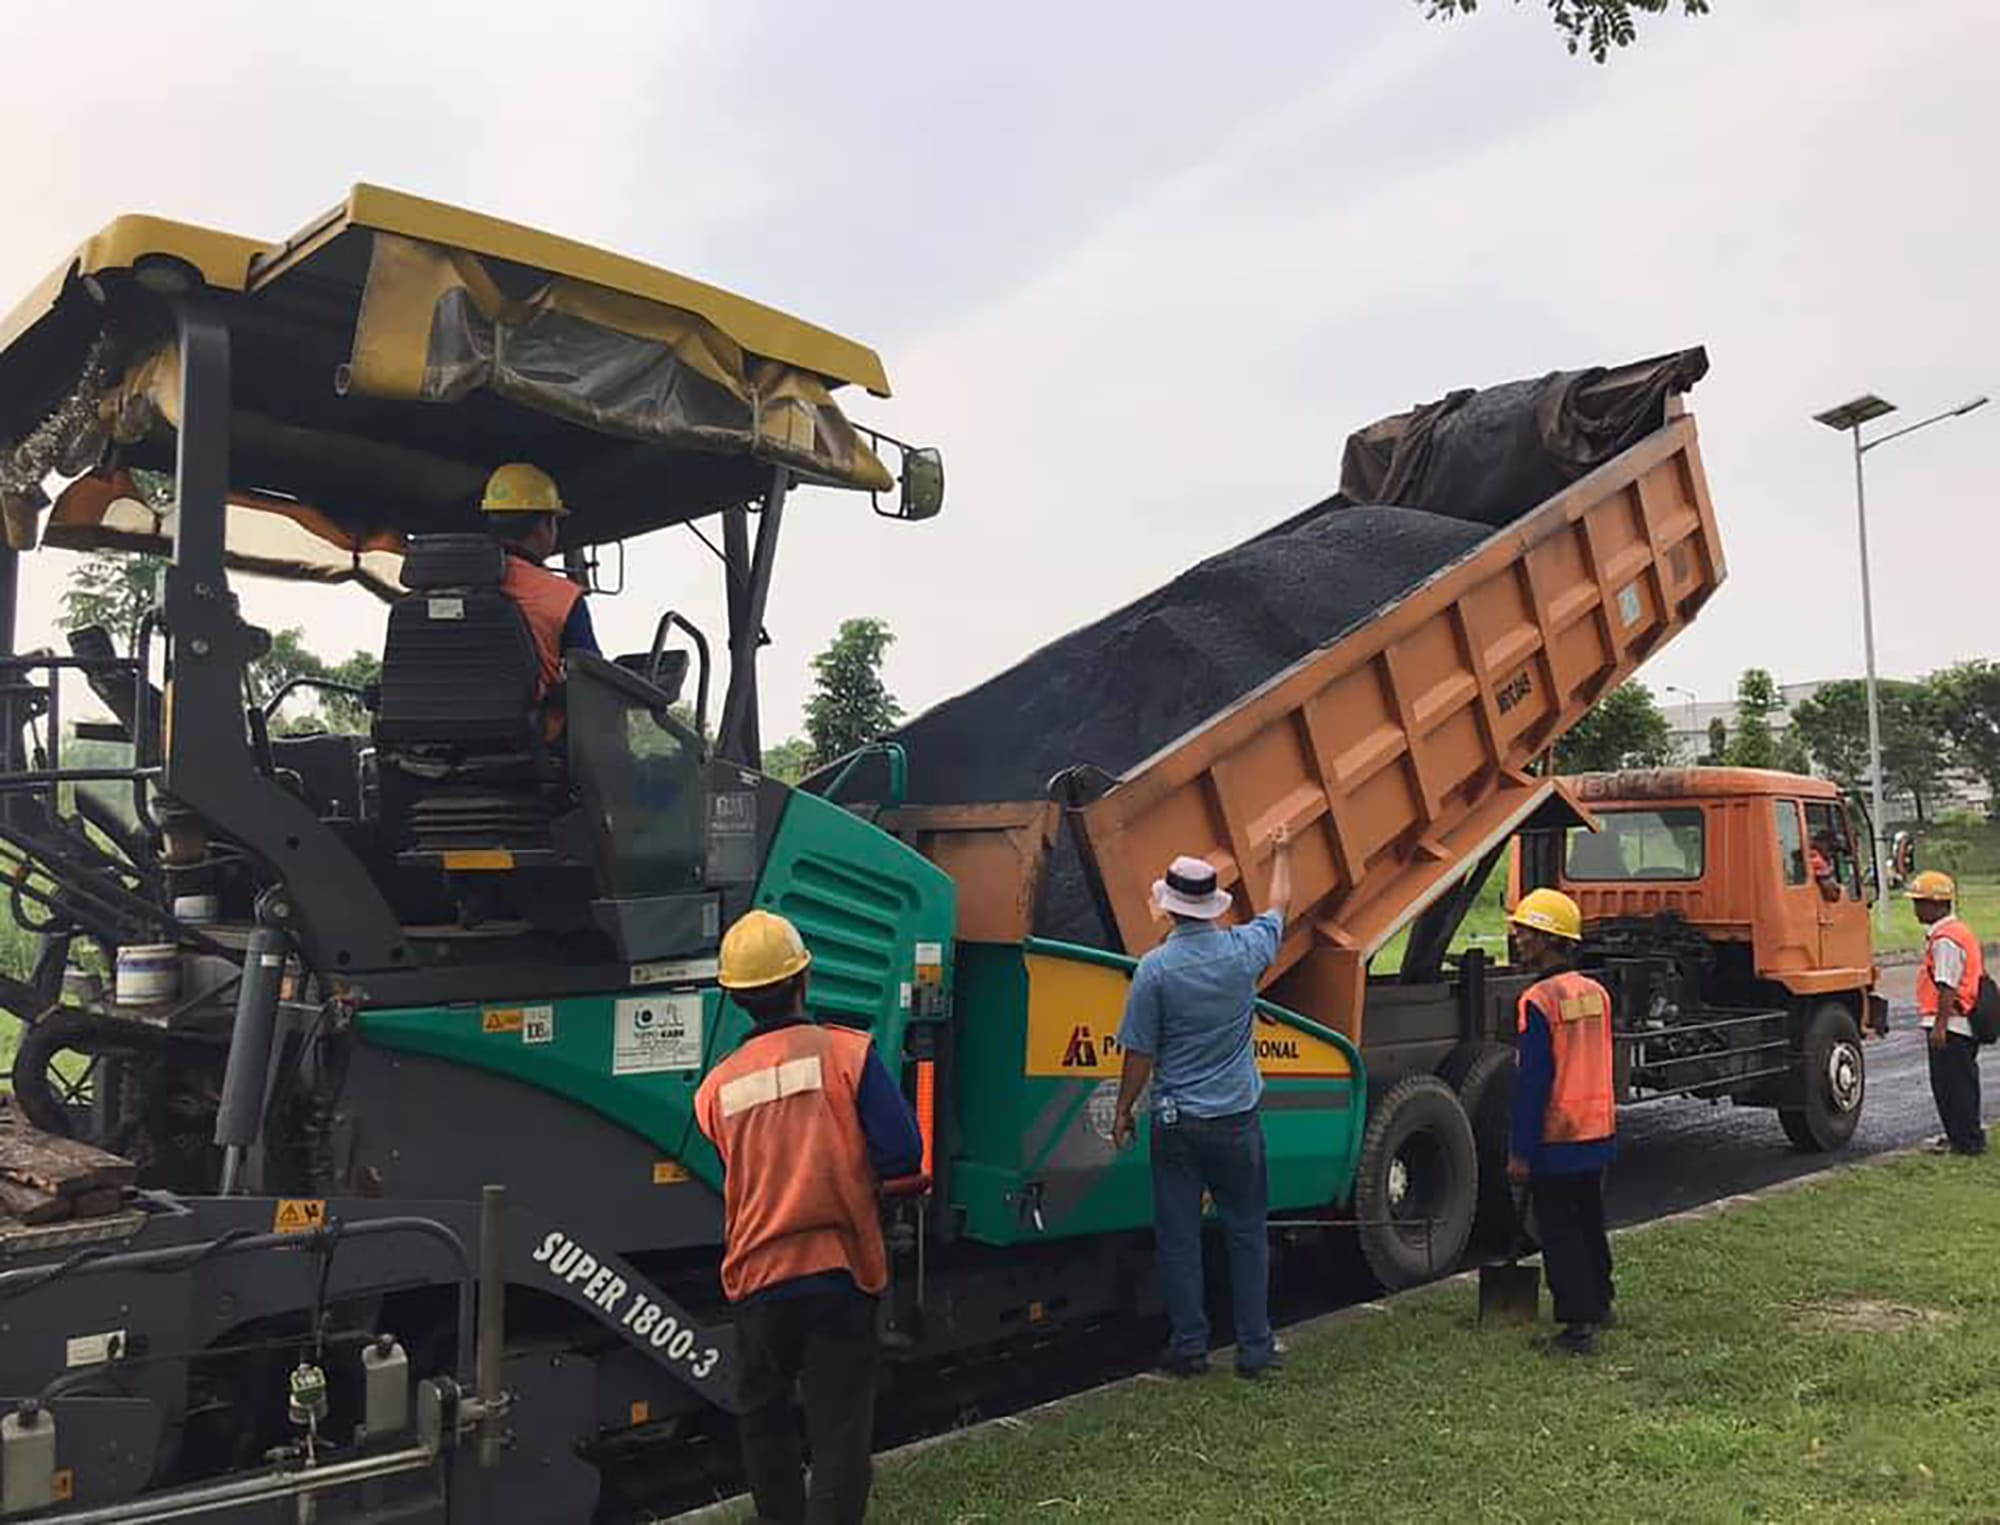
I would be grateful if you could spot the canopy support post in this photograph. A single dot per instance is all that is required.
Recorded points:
(335, 909)
(738, 738)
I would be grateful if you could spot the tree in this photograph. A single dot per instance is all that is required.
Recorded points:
(1755, 744)
(1624, 729)
(1792, 754)
(1718, 742)
(1596, 25)
(787, 761)
(849, 706)
(1834, 726)
(114, 590)
(1968, 698)
(313, 709)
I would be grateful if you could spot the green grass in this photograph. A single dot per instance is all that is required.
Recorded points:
(1722, 1396)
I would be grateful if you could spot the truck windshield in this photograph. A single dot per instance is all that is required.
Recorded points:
(1637, 844)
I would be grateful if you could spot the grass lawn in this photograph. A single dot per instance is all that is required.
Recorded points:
(1826, 1354)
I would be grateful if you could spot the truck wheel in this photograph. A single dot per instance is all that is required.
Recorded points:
(1483, 1076)
(1417, 1186)
(1834, 1079)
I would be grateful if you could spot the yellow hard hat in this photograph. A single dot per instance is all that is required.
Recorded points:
(1932, 885)
(518, 488)
(761, 949)
(1549, 911)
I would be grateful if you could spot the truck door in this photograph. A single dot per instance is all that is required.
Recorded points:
(1844, 941)
(1791, 940)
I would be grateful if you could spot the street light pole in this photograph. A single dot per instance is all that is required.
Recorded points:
(1849, 417)
(1877, 819)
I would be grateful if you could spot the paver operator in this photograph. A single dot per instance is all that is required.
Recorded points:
(523, 510)
(1947, 991)
(807, 1120)
(1564, 1131)
(1187, 1030)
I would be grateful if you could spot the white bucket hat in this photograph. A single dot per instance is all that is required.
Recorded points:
(1190, 889)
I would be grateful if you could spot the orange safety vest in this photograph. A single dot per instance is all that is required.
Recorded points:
(1582, 1103)
(798, 1192)
(547, 600)
(1951, 929)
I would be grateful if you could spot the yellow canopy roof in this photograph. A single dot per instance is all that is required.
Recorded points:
(395, 350)
(235, 263)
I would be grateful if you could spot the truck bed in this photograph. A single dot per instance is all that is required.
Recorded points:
(1399, 745)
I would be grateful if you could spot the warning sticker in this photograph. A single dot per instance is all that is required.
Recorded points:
(670, 1173)
(655, 1033)
(502, 1019)
(298, 1215)
(538, 1024)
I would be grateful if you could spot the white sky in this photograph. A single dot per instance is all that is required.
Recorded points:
(1140, 271)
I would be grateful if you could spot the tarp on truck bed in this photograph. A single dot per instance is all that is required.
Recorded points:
(1122, 688)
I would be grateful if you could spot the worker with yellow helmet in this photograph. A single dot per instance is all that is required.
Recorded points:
(524, 511)
(1564, 1129)
(807, 1120)
(1947, 991)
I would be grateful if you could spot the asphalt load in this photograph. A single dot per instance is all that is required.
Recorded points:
(1114, 692)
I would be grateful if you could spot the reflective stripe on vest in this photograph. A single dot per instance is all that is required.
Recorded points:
(798, 1190)
(1582, 1102)
(547, 599)
(1956, 932)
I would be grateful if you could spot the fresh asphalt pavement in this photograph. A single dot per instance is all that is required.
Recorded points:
(1680, 1154)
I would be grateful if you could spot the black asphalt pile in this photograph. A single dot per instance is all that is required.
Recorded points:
(1116, 691)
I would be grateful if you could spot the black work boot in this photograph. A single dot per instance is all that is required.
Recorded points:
(1575, 1340)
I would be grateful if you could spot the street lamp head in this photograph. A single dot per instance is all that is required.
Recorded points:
(1967, 407)
(1856, 412)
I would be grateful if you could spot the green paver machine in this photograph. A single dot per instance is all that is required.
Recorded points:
(351, 1157)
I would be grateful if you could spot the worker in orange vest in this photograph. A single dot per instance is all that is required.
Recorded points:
(1947, 991)
(806, 1119)
(524, 511)
(1565, 1129)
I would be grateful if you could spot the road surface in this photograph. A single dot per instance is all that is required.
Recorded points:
(1680, 1154)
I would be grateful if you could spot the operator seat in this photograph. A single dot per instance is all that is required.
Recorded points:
(459, 735)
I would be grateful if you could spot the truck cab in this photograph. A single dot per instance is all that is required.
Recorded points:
(1755, 860)
(1726, 909)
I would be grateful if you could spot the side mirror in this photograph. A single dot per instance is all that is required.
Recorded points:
(920, 495)
(920, 487)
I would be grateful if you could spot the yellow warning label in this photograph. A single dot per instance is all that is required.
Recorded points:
(62, 1484)
(641, 1411)
(298, 1215)
(1074, 1010)
(508, 1019)
(670, 1173)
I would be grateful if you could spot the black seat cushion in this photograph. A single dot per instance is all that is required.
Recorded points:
(459, 666)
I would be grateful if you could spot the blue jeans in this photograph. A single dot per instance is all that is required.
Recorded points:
(1225, 1155)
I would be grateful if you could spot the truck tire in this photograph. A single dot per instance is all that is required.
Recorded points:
(1483, 1076)
(1416, 1188)
(1834, 1080)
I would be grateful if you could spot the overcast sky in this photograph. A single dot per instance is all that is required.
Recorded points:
(1140, 270)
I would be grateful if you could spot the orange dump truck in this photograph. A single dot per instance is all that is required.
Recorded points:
(1405, 756)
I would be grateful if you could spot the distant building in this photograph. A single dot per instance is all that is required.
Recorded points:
(1689, 721)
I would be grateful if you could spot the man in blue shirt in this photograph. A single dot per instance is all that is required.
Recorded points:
(1187, 1030)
